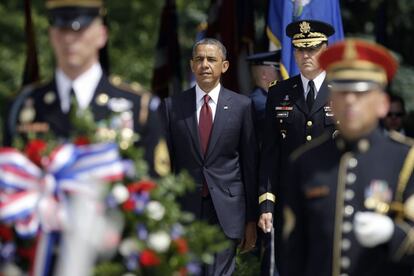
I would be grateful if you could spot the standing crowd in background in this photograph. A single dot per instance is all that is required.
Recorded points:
(315, 171)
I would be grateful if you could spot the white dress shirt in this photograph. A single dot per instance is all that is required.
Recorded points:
(84, 87)
(214, 94)
(317, 81)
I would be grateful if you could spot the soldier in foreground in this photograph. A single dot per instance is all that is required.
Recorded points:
(351, 213)
(77, 33)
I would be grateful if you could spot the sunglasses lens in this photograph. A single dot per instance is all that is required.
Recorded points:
(395, 114)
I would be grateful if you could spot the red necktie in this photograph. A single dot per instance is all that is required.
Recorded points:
(205, 123)
(204, 128)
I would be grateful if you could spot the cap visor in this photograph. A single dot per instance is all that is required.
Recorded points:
(353, 86)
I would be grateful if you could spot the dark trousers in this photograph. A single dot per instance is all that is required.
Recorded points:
(224, 261)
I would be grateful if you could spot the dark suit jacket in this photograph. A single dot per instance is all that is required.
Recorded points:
(289, 124)
(44, 101)
(229, 166)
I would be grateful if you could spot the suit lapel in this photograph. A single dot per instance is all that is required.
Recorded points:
(98, 107)
(54, 115)
(189, 112)
(220, 119)
(321, 98)
(298, 95)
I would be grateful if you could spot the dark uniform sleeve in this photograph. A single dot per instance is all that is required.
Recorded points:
(153, 138)
(12, 112)
(294, 249)
(269, 158)
(402, 241)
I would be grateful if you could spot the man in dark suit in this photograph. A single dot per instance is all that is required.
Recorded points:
(351, 212)
(264, 69)
(77, 34)
(211, 136)
(297, 111)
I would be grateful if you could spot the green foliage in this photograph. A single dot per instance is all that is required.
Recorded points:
(133, 33)
(247, 264)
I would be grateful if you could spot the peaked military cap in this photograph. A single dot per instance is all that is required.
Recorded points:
(265, 58)
(73, 14)
(309, 33)
(357, 65)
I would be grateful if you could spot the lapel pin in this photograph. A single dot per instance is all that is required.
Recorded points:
(226, 107)
(294, 86)
(102, 99)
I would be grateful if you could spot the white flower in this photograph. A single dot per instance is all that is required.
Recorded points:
(159, 241)
(120, 193)
(155, 210)
(128, 246)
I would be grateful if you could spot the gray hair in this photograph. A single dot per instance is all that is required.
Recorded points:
(211, 41)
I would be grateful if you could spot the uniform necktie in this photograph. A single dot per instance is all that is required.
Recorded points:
(204, 128)
(310, 98)
(72, 99)
(205, 123)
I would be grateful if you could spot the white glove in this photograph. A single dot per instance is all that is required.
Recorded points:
(372, 229)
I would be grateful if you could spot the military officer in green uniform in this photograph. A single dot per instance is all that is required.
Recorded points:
(297, 111)
(352, 211)
(77, 34)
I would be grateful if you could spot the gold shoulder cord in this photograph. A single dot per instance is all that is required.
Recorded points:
(403, 178)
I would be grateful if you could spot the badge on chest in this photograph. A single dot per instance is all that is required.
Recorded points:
(378, 196)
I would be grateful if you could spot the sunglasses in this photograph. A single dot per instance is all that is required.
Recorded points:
(395, 114)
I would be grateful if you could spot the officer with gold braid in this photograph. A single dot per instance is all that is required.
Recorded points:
(77, 34)
(297, 111)
(352, 212)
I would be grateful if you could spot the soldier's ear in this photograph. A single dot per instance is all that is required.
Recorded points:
(383, 105)
(103, 36)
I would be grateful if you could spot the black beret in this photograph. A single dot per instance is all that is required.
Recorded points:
(265, 58)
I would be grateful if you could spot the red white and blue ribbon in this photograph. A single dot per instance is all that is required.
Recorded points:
(34, 199)
(25, 188)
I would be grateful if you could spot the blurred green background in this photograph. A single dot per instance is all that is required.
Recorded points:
(134, 30)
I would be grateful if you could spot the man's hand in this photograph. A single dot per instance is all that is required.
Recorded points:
(266, 222)
(372, 229)
(250, 236)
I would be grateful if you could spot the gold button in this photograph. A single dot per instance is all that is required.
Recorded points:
(346, 227)
(345, 262)
(350, 178)
(309, 123)
(352, 163)
(348, 211)
(308, 138)
(345, 244)
(349, 194)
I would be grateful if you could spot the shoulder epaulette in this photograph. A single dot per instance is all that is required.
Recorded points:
(396, 136)
(133, 87)
(308, 146)
(273, 83)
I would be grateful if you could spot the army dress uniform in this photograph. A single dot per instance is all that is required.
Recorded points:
(325, 195)
(289, 122)
(131, 112)
(351, 213)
